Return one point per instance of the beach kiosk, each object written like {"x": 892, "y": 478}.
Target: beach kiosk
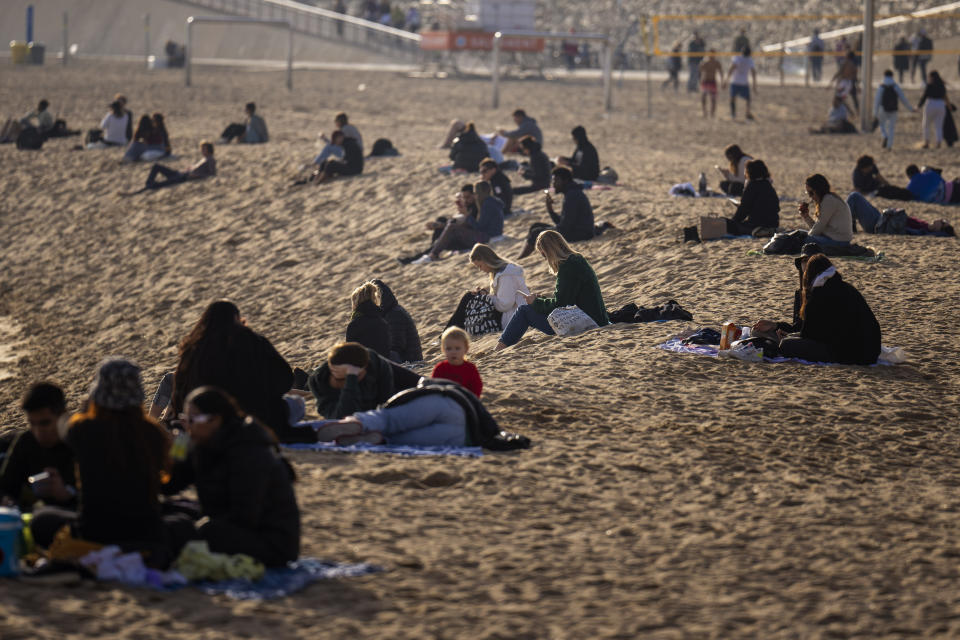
{"x": 474, "y": 30}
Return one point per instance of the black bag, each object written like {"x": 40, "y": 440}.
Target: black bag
{"x": 892, "y": 221}
{"x": 786, "y": 243}
{"x": 889, "y": 100}
{"x": 30, "y": 138}
{"x": 481, "y": 317}
{"x": 383, "y": 147}
{"x": 93, "y": 136}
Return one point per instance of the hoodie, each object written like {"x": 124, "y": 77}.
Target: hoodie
{"x": 585, "y": 161}
{"x": 468, "y": 151}
{"x": 404, "y": 337}
{"x": 368, "y": 327}
{"x": 381, "y": 380}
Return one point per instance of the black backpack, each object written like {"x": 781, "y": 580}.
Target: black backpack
{"x": 889, "y": 99}
{"x": 892, "y": 221}
{"x": 30, "y": 138}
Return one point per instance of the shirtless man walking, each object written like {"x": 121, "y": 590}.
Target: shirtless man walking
{"x": 709, "y": 72}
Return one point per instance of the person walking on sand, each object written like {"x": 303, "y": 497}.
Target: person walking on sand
{"x": 697, "y": 45}
{"x": 739, "y": 74}
{"x": 885, "y": 106}
{"x": 710, "y": 72}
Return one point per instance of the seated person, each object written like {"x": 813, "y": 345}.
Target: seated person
{"x": 585, "y": 163}
{"x": 205, "y": 168}
{"x": 404, "y": 337}
{"x": 341, "y": 123}
{"x": 778, "y": 330}
{"x": 351, "y": 165}
{"x": 575, "y": 222}
{"x": 456, "y": 128}
{"x": 39, "y": 450}
{"x": 455, "y": 344}
{"x": 867, "y": 181}
{"x": 500, "y": 183}
{"x": 330, "y": 150}
{"x": 437, "y": 413}
{"x": 468, "y": 150}
{"x": 462, "y": 235}
{"x": 526, "y": 126}
{"x": 42, "y": 119}
{"x": 355, "y": 378}
{"x": 115, "y": 126}
{"x": 838, "y": 118}
{"x": 835, "y": 325}
{"x": 928, "y": 185}
{"x": 244, "y": 485}
{"x": 734, "y": 179}
{"x": 466, "y": 203}
{"x": 367, "y": 325}
{"x": 120, "y": 456}
{"x": 868, "y": 216}
{"x": 759, "y": 205}
{"x": 252, "y": 131}
{"x": 151, "y": 135}
{"x": 538, "y": 171}
{"x": 834, "y": 223}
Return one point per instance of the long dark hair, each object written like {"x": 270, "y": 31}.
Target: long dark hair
{"x": 217, "y": 402}
{"x": 144, "y": 128}
{"x": 206, "y": 345}
{"x": 936, "y": 80}
{"x": 820, "y": 186}
{"x": 159, "y": 126}
{"x": 734, "y": 153}
{"x": 815, "y": 266}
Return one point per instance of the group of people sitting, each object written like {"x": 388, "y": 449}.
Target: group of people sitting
{"x": 30, "y": 131}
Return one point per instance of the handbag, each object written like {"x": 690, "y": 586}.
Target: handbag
{"x": 480, "y": 316}
{"x": 570, "y": 321}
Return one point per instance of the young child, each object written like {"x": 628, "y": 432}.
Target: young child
{"x": 455, "y": 344}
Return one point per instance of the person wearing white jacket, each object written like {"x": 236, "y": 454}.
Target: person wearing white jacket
{"x": 507, "y": 285}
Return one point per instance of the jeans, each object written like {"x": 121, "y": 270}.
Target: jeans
{"x": 863, "y": 212}
{"x": 888, "y": 122}
{"x": 431, "y": 420}
{"x": 824, "y": 241}
{"x": 457, "y": 237}
{"x": 329, "y": 151}
{"x": 525, "y": 317}
{"x": 172, "y": 177}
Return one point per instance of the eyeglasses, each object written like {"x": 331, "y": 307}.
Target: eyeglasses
{"x": 198, "y": 418}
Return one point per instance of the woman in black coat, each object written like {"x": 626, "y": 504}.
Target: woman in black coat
{"x": 244, "y": 486}
{"x": 837, "y": 324}
{"x": 221, "y": 351}
{"x": 759, "y": 205}
{"x": 367, "y": 325}
{"x": 404, "y": 338}
{"x": 468, "y": 150}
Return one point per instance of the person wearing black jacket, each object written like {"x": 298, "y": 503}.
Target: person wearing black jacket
{"x": 435, "y": 413}
{"x": 355, "y": 378}
{"x": 404, "y": 337}
{"x": 499, "y": 183}
{"x": 759, "y": 205}
{"x": 575, "y": 221}
{"x": 367, "y": 325}
{"x": 351, "y": 165}
{"x": 585, "y": 163}
{"x": 221, "y": 351}
{"x": 244, "y": 485}
{"x": 468, "y": 150}
{"x": 538, "y": 172}
{"x": 836, "y": 324}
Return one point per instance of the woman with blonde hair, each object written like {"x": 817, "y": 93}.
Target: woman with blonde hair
{"x": 576, "y": 284}
{"x": 489, "y": 309}
{"x": 367, "y": 325}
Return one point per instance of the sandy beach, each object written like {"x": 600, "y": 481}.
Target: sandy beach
{"x": 665, "y": 496}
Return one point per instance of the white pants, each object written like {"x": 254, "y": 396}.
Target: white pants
{"x": 933, "y": 115}
{"x": 888, "y": 122}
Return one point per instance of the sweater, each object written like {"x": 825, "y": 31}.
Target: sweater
{"x": 577, "y": 284}
{"x": 466, "y": 375}
{"x": 759, "y": 205}
{"x": 837, "y": 315}
{"x": 835, "y": 220}
{"x": 381, "y": 380}
{"x": 489, "y": 220}
{"x": 404, "y": 338}
{"x": 243, "y": 483}
{"x": 527, "y": 127}
{"x": 368, "y": 327}
{"x": 575, "y": 221}
{"x": 504, "y": 291}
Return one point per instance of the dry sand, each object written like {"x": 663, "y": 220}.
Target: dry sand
{"x": 665, "y": 496}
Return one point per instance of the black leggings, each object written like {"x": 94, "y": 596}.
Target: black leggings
{"x": 731, "y": 187}
{"x": 807, "y": 349}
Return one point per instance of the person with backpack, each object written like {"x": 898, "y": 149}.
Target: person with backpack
{"x": 885, "y": 106}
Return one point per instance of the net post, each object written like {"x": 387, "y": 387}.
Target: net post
{"x": 289, "y": 56}
{"x": 497, "y": 37}
{"x": 189, "y": 56}
{"x": 607, "y": 72}
{"x": 866, "y": 113}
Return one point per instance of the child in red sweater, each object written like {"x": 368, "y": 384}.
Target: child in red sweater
{"x": 455, "y": 344}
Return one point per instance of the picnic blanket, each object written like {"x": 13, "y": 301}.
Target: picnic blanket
{"x": 888, "y": 355}
{"x": 279, "y": 583}
{"x": 396, "y": 449}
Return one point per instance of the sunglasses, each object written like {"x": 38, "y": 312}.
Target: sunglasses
{"x": 197, "y": 418}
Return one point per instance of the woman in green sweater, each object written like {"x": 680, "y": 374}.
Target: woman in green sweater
{"x": 576, "y": 285}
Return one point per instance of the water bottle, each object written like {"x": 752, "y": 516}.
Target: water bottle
{"x": 703, "y": 183}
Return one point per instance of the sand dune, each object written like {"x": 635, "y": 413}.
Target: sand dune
{"x": 666, "y": 496}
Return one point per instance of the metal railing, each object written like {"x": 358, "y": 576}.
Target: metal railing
{"x": 322, "y": 23}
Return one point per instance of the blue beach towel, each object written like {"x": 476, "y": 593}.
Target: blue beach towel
{"x": 396, "y": 449}
{"x": 677, "y": 346}
{"x": 279, "y": 583}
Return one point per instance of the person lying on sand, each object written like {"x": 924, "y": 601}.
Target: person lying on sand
{"x": 576, "y": 284}
{"x": 204, "y": 168}
{"x": 868, "y": 181}
{"x": 927, "y": 185}
{"x": 355, "y": 378}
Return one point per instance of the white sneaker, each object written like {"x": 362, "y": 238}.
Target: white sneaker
{"x": 424, "y": 259}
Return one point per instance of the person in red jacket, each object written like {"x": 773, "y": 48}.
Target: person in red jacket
{"x": 455, "y": 344}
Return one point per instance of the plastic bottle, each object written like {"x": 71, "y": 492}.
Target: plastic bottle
{"x": 703, "y": 184}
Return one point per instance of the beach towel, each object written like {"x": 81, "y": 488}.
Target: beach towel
{"x": 279, "y": 583}
{"x": 686, "y": 189}
{"x": 888, "y": 355}
{"x": 395, "y": 449}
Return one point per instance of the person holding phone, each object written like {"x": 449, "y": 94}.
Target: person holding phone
{"x": 833, "y": 225}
